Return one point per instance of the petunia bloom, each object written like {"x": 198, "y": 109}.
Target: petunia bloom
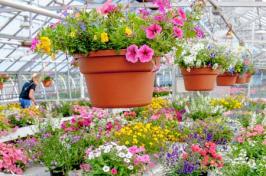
{"x": 178, "y": 22}
{"x": 182, "y": 14}
{"x": 145, "y": 54}
{"x": 34, "y": 44}
{"x": 114, "y": 171}
{"x": 178, "y": 32}
{"x": 199, "y": 32}
{"x": 153, "y": 30}
{"x": 163, "y": 5}
{"x": 159, "y": 18}
{"x": 107, "y": 7}
{"x": 144, "y": 13}
{"x": 132, "y": 54}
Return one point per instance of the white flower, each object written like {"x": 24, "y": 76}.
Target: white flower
{"x": 91, "y": 156}
{"x": 198, "y": 63}
{"x": 119, "y": 148}
{"x": 126, "y": 160}
{"x": 129, "y": 155}
{"x": 97, "y": 154}
{"x": 121, "y": 155}
{"x": 106, "y": 168}
{"x": 215, "y": 66}
{"x": 130, "y": 167}
{"x": 107, "y": 150}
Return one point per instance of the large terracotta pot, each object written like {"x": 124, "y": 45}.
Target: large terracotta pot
{"x": 47, "y": 83}
{"x": 199, "y": 79}
{"x": 1, "y": 86}
{"x": 226, "y": 79}
{"x": 113, "y": 82}
{"x": 242, "y": 79}
{"x": 248, "y": 78}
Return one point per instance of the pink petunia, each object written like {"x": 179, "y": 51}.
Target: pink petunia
{"x": 153, "y": 30}
{"x": 159, "y": 18}
{"x": 199, "y": 32}
{"x": 178, "y": 22}
{"x": 34, "y": 44}
{"x": 182, "y": 14}
{"x": 107, "y": 7}
{"x": 144, "y": 13}
{"x": 145, "y": 54}
{"x": 163, "y": 5}
{"x": 132, "y": 54}
{"x": 178, "y": 32}
{"x": 114, "y": 171}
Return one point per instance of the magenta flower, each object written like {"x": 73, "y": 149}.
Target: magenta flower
{"x": 144, "y": 12}
{"x": 153, "y": 30}
{"x": 178, "y": 22}
{"x": 34, "y": 44}
{"x": 114, "y": 171}
{"x": 145, "y": 54}
{"x": 178, "y": 32}
{"x": 199, "y": 32}
{"x": 163, "y": 5}
{"x": 159, "y": 18}
{"x": 182, "y": 14}
{"x": 132, "y": 54}
{"x": 107, "y": 7}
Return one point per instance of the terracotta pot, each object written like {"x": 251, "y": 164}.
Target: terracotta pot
{"x": 1, "y": 86}
{"x": 226, "y": 79}
{"x": 199, "y": 79}
{"x": 47, "y": 83}
{"x": 242, "y": 79}
{"x": 113, "y": 82}
{"x": 248, "y": 78}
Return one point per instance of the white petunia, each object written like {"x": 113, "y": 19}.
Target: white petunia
{"x": 106, "y": 168}
{"x": 91, "y": 156}
{"x": 97, "y": 154}
{"x": 126, "y": 160}
{"x": 130, "y": 167}
{"x": 107, "y": 150}
{"x": 129, "y": 155}
{"x": 121, "y": 155}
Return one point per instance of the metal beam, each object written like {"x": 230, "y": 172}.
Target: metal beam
{"x": 30, "y": 8}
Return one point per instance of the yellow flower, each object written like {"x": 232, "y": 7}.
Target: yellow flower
{"x": 104, "y": 37}
{"x": 45, "y": 45}
{"x": 95, "y": 37}
{"x": 128, "y": 31}
{"x": 72, "y": 34}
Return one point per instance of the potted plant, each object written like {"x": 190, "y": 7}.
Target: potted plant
{"x": 241, "y": 69}
{"x": 200, "y": 65}
{"x": 251, "y": 71}
{"x": 3, "y": 79}
{"x": 228, "y": 77}
{"x": 118, "y": 52}
{"x": 47, "y": 81}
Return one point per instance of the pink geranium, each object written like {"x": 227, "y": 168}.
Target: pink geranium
{"x": 178, "y": 21}
{"x": 182, "y": 14}
{"x": 153, "y": 30}
{"x": 107, "y": 7}
{"x": 145, "y": 54}
{"x": 178, "y": 32}
{"x": 132, "y": 54}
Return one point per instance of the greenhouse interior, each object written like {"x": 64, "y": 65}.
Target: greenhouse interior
{"x": 133, "y": 87}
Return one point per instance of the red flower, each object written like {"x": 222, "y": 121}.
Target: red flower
{"x": 195, "y": 148}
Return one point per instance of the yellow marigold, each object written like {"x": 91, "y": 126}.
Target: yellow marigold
{"x": 45, "y": 45}
{"x": 128, "y": 31}
{"x": 104, "y": 37}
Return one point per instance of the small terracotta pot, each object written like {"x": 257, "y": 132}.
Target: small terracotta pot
{"x": 248, "y": 78}
{"x": 113, "y": 82}
{"x": 1, "y": 86}
{"x": 226, "y": 79}
{"x": 242, "y": 79}
{"x": 199, "y": 79}
{"x": 47, "y": 83}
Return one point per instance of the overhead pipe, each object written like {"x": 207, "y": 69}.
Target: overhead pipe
{"x": 30, "y": 8}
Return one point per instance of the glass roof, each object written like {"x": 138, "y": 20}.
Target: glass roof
{"x": 248, "y": 20}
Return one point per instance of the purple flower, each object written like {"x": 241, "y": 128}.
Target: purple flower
{"x": 199, "y": 32}
{"x": 188, "y": 168}
{"x": 83, "y": 27}
{"x": 212, "y": 55}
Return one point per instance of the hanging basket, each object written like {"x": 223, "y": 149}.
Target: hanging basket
{"x": 47, "y": 83}
{"x": 242, "y": 79}
{"x": 113, "y": 82}
{"x": 226, "y": 79}
{"x": 248, "y": 78}
{"x": 199, "y": 79}
{"x": 1, "y": 86}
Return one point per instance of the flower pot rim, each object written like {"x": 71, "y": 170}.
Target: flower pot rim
{"x": 101, "y": 53}
{"x": 201, "y": 71}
